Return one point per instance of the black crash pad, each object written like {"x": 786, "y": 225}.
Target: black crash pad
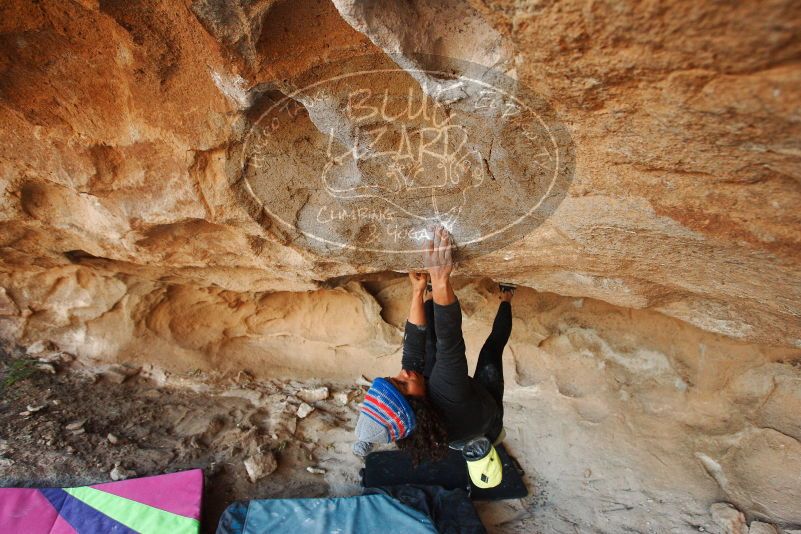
{"x": 392, "y": 468}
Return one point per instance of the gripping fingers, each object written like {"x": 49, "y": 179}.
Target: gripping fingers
{"x": 438, "y": 252}
{"x": 428, "y": 252}
{"x": 438, "y": 246}
{"x": 445, "y": 247}
{"x": 442, "y": 246}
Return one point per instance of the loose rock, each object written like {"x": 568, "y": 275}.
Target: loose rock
{"x": 758, "y": 527}
{"x": 112, "y": 439}
{"x": 119, "y": 373}
{"x": 731, "y": 520}
{"x": 37, "y": 347}
{"x": 46, "y": 367}
{"x": 304, "y": 410}
{"x": 120, "y": 473}
{"x": 260, "y": 466}
{"x": 314, "y": 394}
{"x": 316, "y": 470}
{"x": 75, "y": 426}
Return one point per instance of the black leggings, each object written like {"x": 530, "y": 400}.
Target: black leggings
{"x": 489, "y": 368}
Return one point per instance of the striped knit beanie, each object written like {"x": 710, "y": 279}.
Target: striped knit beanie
{"x": 385, "y": 415}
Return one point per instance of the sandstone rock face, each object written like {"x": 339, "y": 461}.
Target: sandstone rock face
{"x": 658, "y": 325}
{"x": 758, "y": 527}
{"x": 684, "y": 197}
{"x": 731, "y": 520}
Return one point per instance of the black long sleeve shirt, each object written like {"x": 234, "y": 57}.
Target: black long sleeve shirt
{"x": 466, "y": 407}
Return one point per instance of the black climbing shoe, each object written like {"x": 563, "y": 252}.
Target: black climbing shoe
{"x": 507, "y": 288}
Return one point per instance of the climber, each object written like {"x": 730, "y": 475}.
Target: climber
{"x": 433, "y": 403}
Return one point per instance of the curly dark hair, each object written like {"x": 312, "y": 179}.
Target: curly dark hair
{"x": 429, "y": 439}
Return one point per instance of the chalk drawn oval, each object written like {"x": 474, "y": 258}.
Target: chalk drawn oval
{"x": 356, "y": 160}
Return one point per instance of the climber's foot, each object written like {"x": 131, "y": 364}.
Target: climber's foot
{"x": 507, "y": 291}
{"x": 429, "y": 292}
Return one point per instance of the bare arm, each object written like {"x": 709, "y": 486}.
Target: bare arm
{"x": 417, "y": 314}
{"x": 414, "y": 335}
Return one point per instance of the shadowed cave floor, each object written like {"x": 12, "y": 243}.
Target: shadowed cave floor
{"x": 214, "y": 424}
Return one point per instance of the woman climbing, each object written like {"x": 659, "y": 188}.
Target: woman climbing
{"x": 433, "y": 402}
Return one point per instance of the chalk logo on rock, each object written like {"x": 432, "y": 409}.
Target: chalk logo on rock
{"x": 357, "y": 160}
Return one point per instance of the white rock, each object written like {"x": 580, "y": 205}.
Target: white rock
{"x": 36, "y": 348}
{"x": 120, "y": 473}
{"x": 731, "y": 520}
{"x": 34, "y": 409}
{"x": 313, "y": 394}
{"x": 46, "y": 367}
{"x": 315, "y": 470}
{"x": 758, "y": 527}
{"x": 55, "y": 356}
{"x": 75, "y": 426}
{"x": 304, "y": 410}
{"x": 112, "y": 439}
{"x": 341, "y": 397}
{"x": 119, "y": 373}
{"x": 260, "y": 466}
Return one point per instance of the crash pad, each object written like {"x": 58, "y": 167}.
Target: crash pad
{"x": 167, "y": 503}
{"x": 361, "y": 514}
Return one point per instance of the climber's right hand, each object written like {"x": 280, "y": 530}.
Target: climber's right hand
{"x": 438, "y": 255}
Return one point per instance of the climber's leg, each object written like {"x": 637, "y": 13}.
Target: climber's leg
{"x": 489, "y": 369}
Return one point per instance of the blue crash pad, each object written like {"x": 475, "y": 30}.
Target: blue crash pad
{"x": 342, "y": 515}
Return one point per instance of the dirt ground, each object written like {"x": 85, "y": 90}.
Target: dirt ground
{"x": 65, "y": 426}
